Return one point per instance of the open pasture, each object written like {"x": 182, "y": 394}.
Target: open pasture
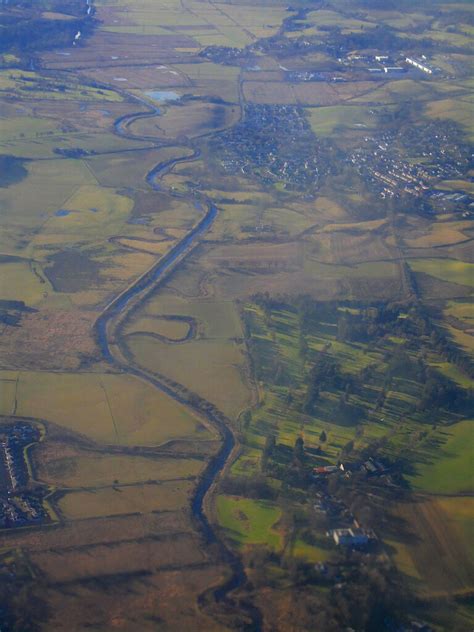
{"x": 212, "y": 80}
{"x": 248, "y": 522}
{"x": 350, "y": 247}
{"x": 461, "y": 310}
{"x": 94, "y": 531}
{"x": 403, "y": 21}
{"x": 106, "y": 48}
{"x": 25, "y": 84}
{"x": 62, "y": 466}
{"x": 257, "y": 257}
{"x": 49, "y": 338}
{"x": 436, "y": 545}
{"x": 206, "y": 23}
{"x": 89, "y": 212}
{"x": 328, "y": 18}
{"x": 144, "y": 77}
{"x": 129, "y": 169}
{"x": 326, "y": 120}
{"x": 216, "y": 319}
{"x": 110, "y": 501}
{"x": 458, "y": 110}
{"x": 283, "y": 93}
{"x": 464, "y": 339}
{"x": 219, "y": 379}
{"x": 438, "y": 234}
{"x": 446, "y": 269}
{"x": 321, "y": 94}
{"x": 309, "y": 552}
{"x": 447, "y": 469}
{"x": 457, "y": 185}
{"x": 189, "y": 118}
{"x": 48, "y": 185}
{"x": 393, "y": 92}
{"x": 106, "y": 560}
{"x": 170, "y": 329}
{"x": 21, "y": 282}
{"x": 119, "y": 409}
{"x": 138, "y": 601}
{"x": 152, "y": 247}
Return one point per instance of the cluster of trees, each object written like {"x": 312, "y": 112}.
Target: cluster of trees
{"x": 12, "y": 170}
{"x": 27, "y": 30}
{"x": 441, "y": 393}
{"x": 255, "y": 487}
{"x": 325, "y": 374}
{"x": 371, "y": 323}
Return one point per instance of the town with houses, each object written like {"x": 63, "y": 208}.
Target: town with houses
{"x": 20, "y": 502}
{"x": 275, "y": 143}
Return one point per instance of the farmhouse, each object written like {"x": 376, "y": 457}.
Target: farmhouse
{"x": 324, "y": 470}
{"x": 353, "y": 537}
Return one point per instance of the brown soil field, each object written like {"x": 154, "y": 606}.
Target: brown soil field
{"x": 145, "y": 555}
{"x": 50, "y": 339}
{"x": 94, "y": 531}
{"x": 153, "y": 247}
{"x": 439, "y": 543}
{"x": 347, "y": 247}
{"x": 145, "y": 498}
{"x": 439, "y": 234}
{"x": 287, "y": 93}
{"x": 62, "y": 465}
{"x": 73, "y": 116}
{"x": 255, "y": 255}
{"x": 431, "y": 287}
{"x": 105, "y": 48}
{"x": 129, "y": 603}
{"x": 139, "y": 78}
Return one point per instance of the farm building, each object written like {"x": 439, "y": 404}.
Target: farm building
{"x": 354, "y": 537}
{"x": 420, "y": 64}
{"x": 324, "y": 470}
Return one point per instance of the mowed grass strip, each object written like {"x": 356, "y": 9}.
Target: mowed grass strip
{"x": 248, "y": 521}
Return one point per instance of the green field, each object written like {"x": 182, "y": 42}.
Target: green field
{"x": 249, "y": 521}
{"x": 119, "y": 409}
{"x": 446, "y": 269}
{"x": 325, "y": 120}
{"x": 449, "y": 469}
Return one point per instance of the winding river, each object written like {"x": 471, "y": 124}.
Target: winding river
{"x": 119, "y": 307}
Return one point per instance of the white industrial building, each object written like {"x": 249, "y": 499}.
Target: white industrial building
{"x": 419, "y": 64}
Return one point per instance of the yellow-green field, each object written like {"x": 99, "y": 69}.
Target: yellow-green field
{"x": 446, "y": 269}
{"x": 449, "y": 469}
{"x": 249, "y": 521}
{"x": 125, "y": 500}
{"x": 119, "y": 409}
{"x": 98, "y": 470}
{"x": 218, "y": 379}
{"x": 437, "y": 556}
